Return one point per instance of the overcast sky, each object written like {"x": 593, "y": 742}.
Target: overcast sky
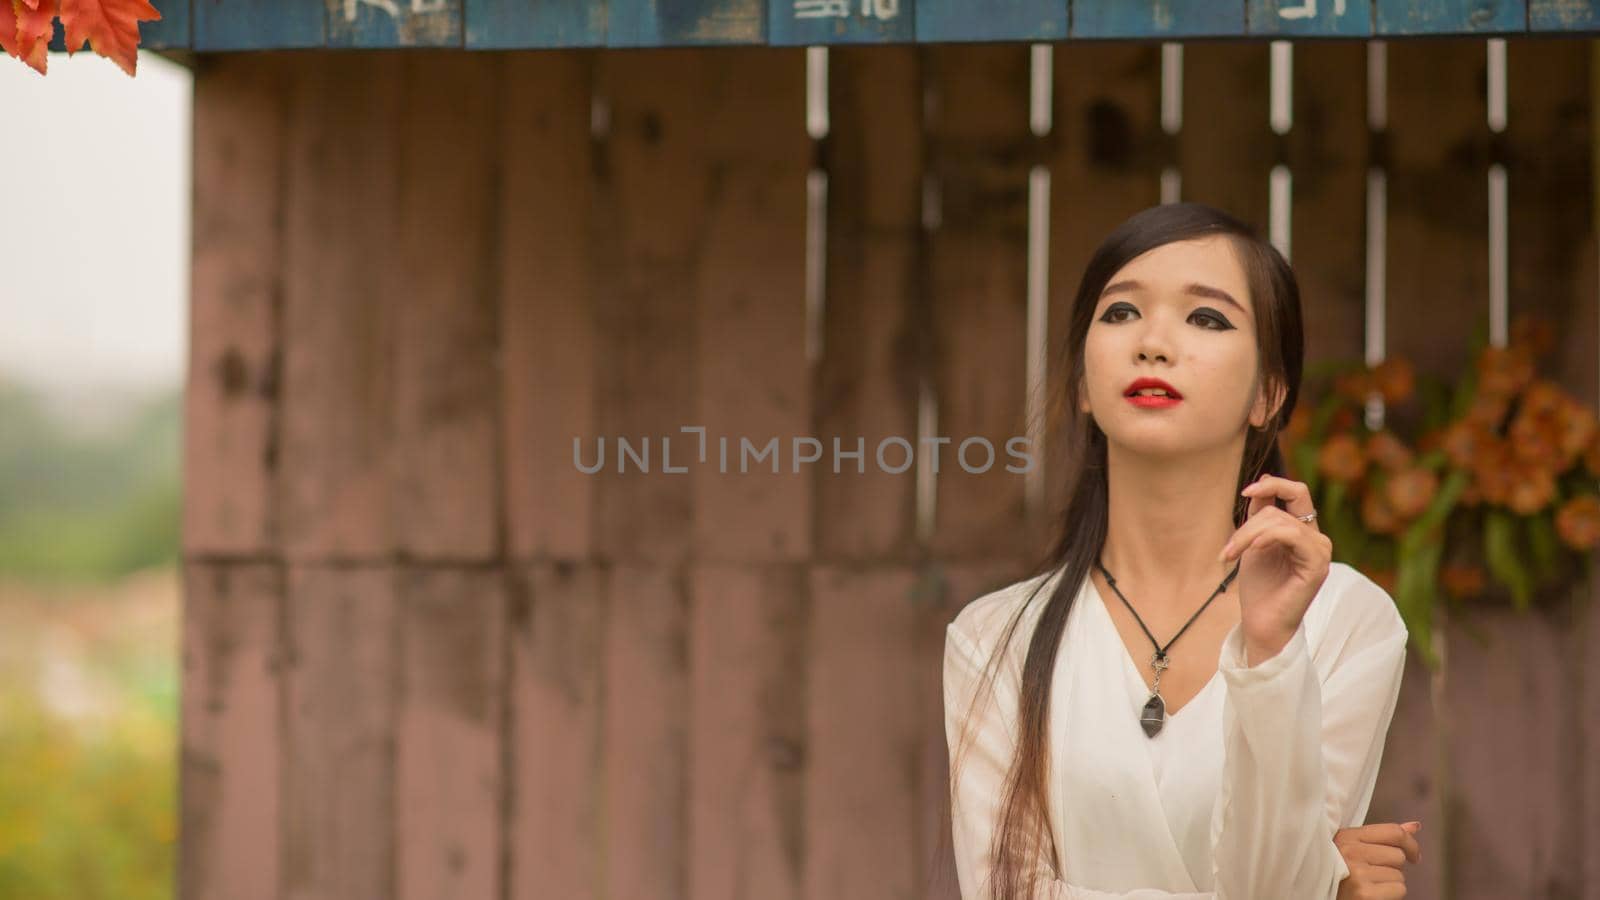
{"x": 94, "y": 226}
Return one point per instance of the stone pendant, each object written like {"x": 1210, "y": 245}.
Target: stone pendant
{"x": 1153, "y": 716}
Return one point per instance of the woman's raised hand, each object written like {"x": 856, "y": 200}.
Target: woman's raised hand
{"x": 1376, "y": 855}
{"x": 1283, "y": 562}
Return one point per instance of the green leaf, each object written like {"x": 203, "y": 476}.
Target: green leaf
{"x": 1501, "y": 555}
{"x": 1415, "y": 595}
{"x": 1541, "y": 533}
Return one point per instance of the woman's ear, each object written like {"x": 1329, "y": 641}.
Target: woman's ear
{"x": 1266, "y": 409}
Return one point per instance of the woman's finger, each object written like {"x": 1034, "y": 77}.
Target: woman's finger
{"x": 1375, "y": 854}
{"x": 1291, "y": 535}
{"x": 1296, "y": 495}
{"x": 1285, "y": 529}
{"x": 1395, "y": 836}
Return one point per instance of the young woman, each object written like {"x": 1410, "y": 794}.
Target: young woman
{"x": 1189, "y": 698}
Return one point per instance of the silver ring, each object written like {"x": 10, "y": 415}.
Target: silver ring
{"x": 1308, "y": 516}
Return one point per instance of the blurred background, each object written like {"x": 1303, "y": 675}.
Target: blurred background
{"x": 92, "y": 355}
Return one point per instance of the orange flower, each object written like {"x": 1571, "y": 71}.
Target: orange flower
{"x": 1470, "y": 495}
{"x": 1542, "y": 396}
{"x": 1538, "y": 335}
{"x": 1491, "y": 470}
{"x": 1534, "y": 439}
{"x": 1578, "y": 522}
{"x": 1409, "y": 491}
{"x": 1463, "y": 440}
{"x": 1377, "y": 515}
{"x": 1340, "y": 458}
{"x": 1384, "y": 578}
{"x": 1462, "y": 579}
{"x": 1386, "y": 450}
{"x": 1504, "y": 370}
{"x": 1532, "y": 488}
{"x": 1394, "y": 378}
{"x": 1355, "y": 385}
{"x": 1488, "y": 409}
{"x": 1576, "y": 427}
{"x": 1591, "y": 456}
{"x": 1299, "y": 424}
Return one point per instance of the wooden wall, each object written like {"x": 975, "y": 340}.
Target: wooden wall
{"x": 424, "y": 656}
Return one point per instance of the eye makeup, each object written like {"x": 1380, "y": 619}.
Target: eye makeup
{"x": 1205, "y": 312}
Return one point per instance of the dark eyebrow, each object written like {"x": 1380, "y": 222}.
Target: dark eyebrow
{"x": 1194, "y": 288}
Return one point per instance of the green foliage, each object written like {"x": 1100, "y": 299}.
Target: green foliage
{"x": 77, "y": 507}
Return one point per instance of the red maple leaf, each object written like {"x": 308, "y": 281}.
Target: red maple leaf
{"x": 25, "y": 33}
{"x": 110, "y": 26}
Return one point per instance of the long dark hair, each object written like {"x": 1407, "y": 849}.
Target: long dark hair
{"x": 1022, "y": 829}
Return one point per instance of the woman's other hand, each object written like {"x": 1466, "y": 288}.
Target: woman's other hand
{"x": 1376, "y": 855}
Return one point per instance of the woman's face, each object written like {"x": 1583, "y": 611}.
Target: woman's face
{"x": 1181, "y": 313}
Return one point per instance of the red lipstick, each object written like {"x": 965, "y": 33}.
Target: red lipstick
{"x": 1152, "y": 401}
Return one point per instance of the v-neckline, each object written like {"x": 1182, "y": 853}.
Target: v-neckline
{"x": 1132, "y": 668}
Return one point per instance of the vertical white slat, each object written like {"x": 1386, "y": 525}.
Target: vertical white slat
{"x": 1171, "y": 114}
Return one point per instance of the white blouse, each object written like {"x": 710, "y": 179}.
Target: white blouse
{"x": 1236, "y": 798}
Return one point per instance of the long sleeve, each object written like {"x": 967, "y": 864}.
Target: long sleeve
{"x": 1297, "y": 744}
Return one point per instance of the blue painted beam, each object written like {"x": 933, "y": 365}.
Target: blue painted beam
{"x": 514, "y": 24}
{"x": 1157, "y": 19}
{"x": 1401, "y": 17}
{"x": 791, "y": 22}
{"x": 991, "y": 20}
{"x": 686, "y": 23}
{"x": 259, "y": 24}
{"x": 238, "y": 25}
{"x": 394, "y": 23}
{"x": 1564, "y": 15}
{"x": 1310, "y": 18}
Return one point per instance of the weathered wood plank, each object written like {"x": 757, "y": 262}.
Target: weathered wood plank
{"x": 547, "y": 253}
{"x": 865, "y": 727}
{"x": 1436, "y": 294}
{"x": 747, "y": 737}
{"x": 1522, "y": 824}
{"x": 750, "y": 316}
{"x": 517, "y": 24}
{"x": 445, "y": 483}
{"x": 1309, "y": 18}
{"x": 339, "y": 799}
{"x": 1451, "y": 16}
{"x": 1105, "y": 166}
{"x": 448, "y": 776}
{"x": 646, "y": 743}
{"x": 1551, "y": 230}
{"x": 685, "y": 23}
{"x": 558, "y": 621}
{"x": 1018, "y": 20}
{"x": 1326, "y": 151}
{"x": 1225, "y": 150}
{"x": 240, "y": 108}
{"x": 867, "y": 372}
{"x": 334, "y": 489}
{"x": 1513, "y": 827}
{"x": 977, "y": 285}
{"x": 1438, "y": 235}
{"x": 652, "y": 187}
{"x": 840, "y": 21}
{"x": 1155, "y": 19}
{"x": 1413, "y": 780}
{"x": 1563, "y": 15}
{"x": 394, "y": 23}
{"x": 259, "y": 24}
{"x": 942, "y": 591}
{"x": 232, "y": 710}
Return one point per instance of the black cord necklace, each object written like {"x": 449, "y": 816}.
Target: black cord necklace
{"x": 1154, "y": 712}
